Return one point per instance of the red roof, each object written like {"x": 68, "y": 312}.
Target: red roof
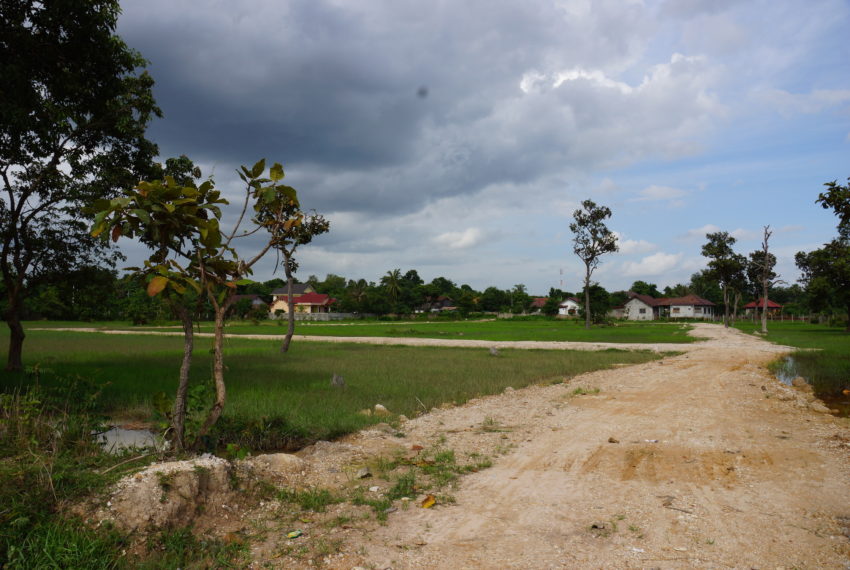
{"x": 538, "y": 302}
{"x": 760, "y": 304}
{"x": 310, "y": 299}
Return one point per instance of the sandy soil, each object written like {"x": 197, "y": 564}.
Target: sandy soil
{"x": 702, "y": 460}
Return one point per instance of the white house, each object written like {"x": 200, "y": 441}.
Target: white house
{"x": 569, "y": 307}
{"x": 640, "y": 308}
{"x": 646, "y": 308}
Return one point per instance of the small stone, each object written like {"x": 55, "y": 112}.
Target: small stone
{"x": 494, "y": 351}
{"x": 365, "y": 412}
{"x": 403, "y": 418}
{"x": 819, "y": 407}
{"x": 338, "y": 381}
{"x": 363, "y": 472}
{"x": 381, "y": 411}
{"x": 508, "y": 390}
{"x": 374, "y": 489}
{"x": 613, "y": 440}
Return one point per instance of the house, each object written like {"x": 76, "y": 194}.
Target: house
{"x": 646, "y": 308}
{"x": 537, "y": 304}
{"x": 569, "y": 307}
{"x": 757, "y": 306}
{"x": 617, "y": 312}
{"x": 640, "y": 308}
{"x": 441, "y": 303}
{"x": 304, "y": 297}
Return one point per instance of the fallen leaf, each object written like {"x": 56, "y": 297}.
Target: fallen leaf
{"x": 428, "y": 502}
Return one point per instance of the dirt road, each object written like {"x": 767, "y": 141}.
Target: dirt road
{"x": 699, "y": 461}
{"x": 702, "y": 460}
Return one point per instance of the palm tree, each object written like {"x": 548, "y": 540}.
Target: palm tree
{"x": 391, "y": 282}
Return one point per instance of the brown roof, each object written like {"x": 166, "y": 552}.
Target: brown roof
{"x": 686, "y": 300}
{"x": 760, "y": 304}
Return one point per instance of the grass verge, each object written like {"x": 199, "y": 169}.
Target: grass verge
{"x": 284, "y": 401}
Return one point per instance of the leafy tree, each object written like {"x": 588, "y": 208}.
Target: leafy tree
{"x": 644, "y": 288}
{"x": 679, "y": 290}
{"x": 600, "y": 304}
{"x": 73, "y": 113}
{"x": 727, "y": 268}
{"x": 494, "y": 299}
{"x": 286, "y": 240}
{"x": 392, "y": 285}
{"x": 837, "y": 197}
{"x": 826, "y": 275}
{"x": 703, "y": 285}
{"x": 181, "y": 223}
{"x": 550, "y": 307}
{"x": 592, "y": 240}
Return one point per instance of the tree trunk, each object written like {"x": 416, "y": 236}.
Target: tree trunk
{"x": 587, "y": 297}
{"x": 764, "y": 307}
{"x": 726, "y": 306}
{"x": 290, "y": 313}
{"x": 14, "y": 361}
{"x": 218, "y": 371}
{"x": 178, "y": 420}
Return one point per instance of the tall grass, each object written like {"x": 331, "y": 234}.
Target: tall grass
{"x": 282, "y": 401}
{"x": 827, "y": 369}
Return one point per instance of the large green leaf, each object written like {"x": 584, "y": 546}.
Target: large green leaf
{"x": 258, "y": 168}
{"x": 276, "y": 172}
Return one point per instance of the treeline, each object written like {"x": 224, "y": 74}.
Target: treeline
{"x": 100, "y": 294}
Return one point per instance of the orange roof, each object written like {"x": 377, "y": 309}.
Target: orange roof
{"x": 760, "y": 304}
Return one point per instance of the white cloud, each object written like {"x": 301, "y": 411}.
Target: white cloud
{"x": 655, "y": 192}
{"x": 791, "y": 229}
{"x": 460, "y": 240}
{"x": 630, "y": 246}
{"x": 655, "y": 264}
{"x": 788, "y": 104}
{"x": 699, "y": 233}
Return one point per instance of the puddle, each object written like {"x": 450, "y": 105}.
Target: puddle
{"x": 119, "y": 439}
{"x": 787, "y": 371}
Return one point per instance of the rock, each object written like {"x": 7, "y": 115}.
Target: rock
{"x": 494, "y": 351}
{"x": 403, "y": 418}
{"x": 819, "y": 407}
{"x": 374, "y": 489}
{"x": 363, "y": 472}
{"x": 365, "y": 412}
{"x": 278, "y": 463}
{"x": 381, "y": 411}
{"x": 800, "y": 383}
{"x": 168, "y": 495}
{"x": 338, "y": 381}
{"x": 786, "y": 397}
{"x": 613, "y": 440}
{"x": 508, "y": 390}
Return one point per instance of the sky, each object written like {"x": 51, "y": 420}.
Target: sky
{"x": 457, "y": 138}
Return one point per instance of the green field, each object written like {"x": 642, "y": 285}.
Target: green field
{"x": 279, "y": 401}
{"x": 827, "y": 369}
{"x": 542, "y": 329}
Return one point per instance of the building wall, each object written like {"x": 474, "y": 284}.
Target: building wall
{"x": 637, "y": 310}
{"x": 567, "y": 307}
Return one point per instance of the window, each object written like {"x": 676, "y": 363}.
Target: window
{"x": 675, "y": 309}
{"x": 642, "y": 311}
{"x": 697, "y": 309}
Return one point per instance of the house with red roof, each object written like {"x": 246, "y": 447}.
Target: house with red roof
{"x": 757, "y": 307}
{"x": 304, "y": 300}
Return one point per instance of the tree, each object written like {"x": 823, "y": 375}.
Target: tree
{"x": 592, "y": 240}
{"x": 392, "y": 285}
{"x": 760, "y": 273}
{"x": 600, "y": 303}
{"x": 837, "y": 197}
{"x": 73, "y": 113}
{"x": 286, "y": 242}
{"x": 644, "y": 288}
{"x": 181, "y": 223}
{"x": 826, "y": 275}
{"x": 727, "y": 268}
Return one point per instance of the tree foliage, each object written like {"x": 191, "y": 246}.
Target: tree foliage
{"x": 727, "y": 268}
{"x": 73, "y": 114}
{"x": 592, "y": 239}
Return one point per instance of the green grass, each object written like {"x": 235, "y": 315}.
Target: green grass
{"x": 281, "y": 401}
{"x": 826, "y": 369}
{"x": 542, "y": 329}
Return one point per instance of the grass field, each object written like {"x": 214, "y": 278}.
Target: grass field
{"x": 541, "y": 329}
{"x": 826, "y": 369}
{"x": 278, "y": 401}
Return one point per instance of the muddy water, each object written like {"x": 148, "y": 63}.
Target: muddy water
{"x": 788, "y": 371}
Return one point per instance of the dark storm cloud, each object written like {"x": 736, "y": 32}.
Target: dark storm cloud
{"x": 335, "y": 91}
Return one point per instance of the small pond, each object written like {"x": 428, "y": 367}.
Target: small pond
{"x": 787, "y": 371}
